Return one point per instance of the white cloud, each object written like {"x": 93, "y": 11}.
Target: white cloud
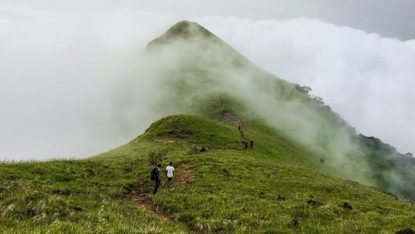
{"x": 368, "y": 79}
{"x": 58, "y": 67}
{"x": 411, "y": 44}
{"x": 57, "y": 70}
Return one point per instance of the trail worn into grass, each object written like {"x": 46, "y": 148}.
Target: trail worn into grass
{"x": 142, "y": 194}
{"x": 183, "y": 175}
{"x": 143, "y": 201}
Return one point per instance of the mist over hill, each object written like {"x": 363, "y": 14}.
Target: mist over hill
{"x": 58, "y": 70}
{"x": 253, "y": 154}
{"x": 189, "y": 66}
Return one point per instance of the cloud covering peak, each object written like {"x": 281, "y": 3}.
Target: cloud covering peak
{"x": 363, "y": 76}
{"x": 58, "y": 69}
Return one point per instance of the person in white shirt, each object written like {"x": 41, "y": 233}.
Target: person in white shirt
{"x": 170, "y": 172}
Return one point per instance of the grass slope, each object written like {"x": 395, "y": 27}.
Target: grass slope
{"x": 277, "y": 187}
{"x": 193, "y": 65}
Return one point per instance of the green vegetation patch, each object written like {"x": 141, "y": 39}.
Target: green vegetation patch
{"x": 276, "y": 187}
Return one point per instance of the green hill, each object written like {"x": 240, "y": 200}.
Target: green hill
{"x": 274, "y": 187}
{"x": 308, "y": 171}
{"x": 192, "y": 66}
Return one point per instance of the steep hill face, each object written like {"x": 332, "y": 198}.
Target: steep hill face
{"x": 196, "y": 67}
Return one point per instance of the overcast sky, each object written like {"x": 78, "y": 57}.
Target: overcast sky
{"x": 386, "y": 17}
{"x": 60, "y": 59}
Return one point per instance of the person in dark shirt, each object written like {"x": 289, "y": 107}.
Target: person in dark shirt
{"x": 155, "y": 176}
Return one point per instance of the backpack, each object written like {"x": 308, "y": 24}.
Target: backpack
{"x": 153, "y": 174}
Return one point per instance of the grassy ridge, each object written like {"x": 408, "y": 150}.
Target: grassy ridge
{"x": 194, "y": 69}
{"x": 276, "y": 187}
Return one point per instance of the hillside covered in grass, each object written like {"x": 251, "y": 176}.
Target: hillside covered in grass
{"x": 192, "y": 66}
{"x": 274, "y": 187}
{"x": 308, "y": 170}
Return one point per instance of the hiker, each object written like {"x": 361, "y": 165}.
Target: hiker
{"x": 251, "y": 144}
{"x": 155, "y": 176}
{"x": 170, "y": 172}
{"x": 203, "y": 149}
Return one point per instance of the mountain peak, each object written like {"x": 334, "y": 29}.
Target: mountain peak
{"x": 187, "y": 28}
{"x": 198, "y": 39}
{"x": 183, "y": 30}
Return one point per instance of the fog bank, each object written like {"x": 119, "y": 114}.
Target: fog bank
{"x": 63, "y": 75}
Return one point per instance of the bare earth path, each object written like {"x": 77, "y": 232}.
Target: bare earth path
{"x": 142, "y": 194}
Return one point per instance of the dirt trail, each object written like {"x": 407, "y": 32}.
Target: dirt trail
{"x": 183, "y": 176}
{"x": 141, "y": 195}
{"x": 233, "y": 119}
